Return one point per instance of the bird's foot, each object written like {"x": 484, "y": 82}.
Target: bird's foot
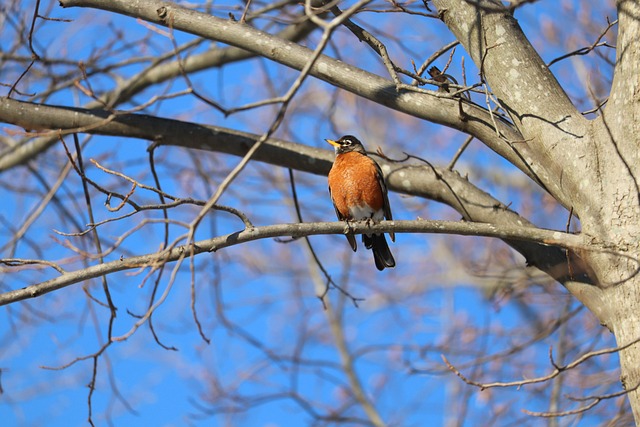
{"x": 347, "y": 227}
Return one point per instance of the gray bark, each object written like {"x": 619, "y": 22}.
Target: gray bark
{"x": 593, "y": 165}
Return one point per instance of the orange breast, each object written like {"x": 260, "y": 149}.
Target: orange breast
{"x": 353, "y": 182}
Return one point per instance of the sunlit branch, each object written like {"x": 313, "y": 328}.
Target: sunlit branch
{"x": 469, "y": 117}
{"x": 532, "y": 234}
{"x": 418, "y": 180}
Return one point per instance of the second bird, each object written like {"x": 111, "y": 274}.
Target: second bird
{"x": 358, "y": 192}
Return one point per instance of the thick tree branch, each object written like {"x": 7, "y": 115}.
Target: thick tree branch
{"x": 527, "y": 90}
{"x": 419, "y": 180}
{"x": 160, "y": 131}
{"x": 423, "y": 180}
{"x": 154, "y": 260}
{"x": 155, "y": 74}
{"x": 456, "y": 113}
{"x": 622, "y": 113}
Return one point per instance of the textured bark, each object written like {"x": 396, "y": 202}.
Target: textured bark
{"x": 593, "y": 165}
{"x": 524, "y": 86}
{"x": 616, "y": 218}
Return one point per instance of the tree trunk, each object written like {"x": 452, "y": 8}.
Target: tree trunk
{"x": 617, "y": 219}
{"x": 591, "y": 167}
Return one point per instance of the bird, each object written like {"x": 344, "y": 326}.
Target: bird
{"x": 359, "y": 193}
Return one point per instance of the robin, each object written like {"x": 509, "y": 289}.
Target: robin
{"x": 358, "y": 192}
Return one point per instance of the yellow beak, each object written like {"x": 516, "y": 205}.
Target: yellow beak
{"x": 332, "y": 142}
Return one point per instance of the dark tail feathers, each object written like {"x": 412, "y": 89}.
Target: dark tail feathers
{"x": 381, "y": 253}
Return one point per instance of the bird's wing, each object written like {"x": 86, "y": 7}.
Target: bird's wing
{"x": 350, "y": 237}
{"x": 385, "y": 205}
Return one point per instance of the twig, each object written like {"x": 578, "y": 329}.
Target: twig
{"x": 95, "y": 236}
{"x": 557, "y": 370}
{"x": 243, "y": 18}
{"x": 34, "y": 55}
{"x": 15, "y": 262}
{"x": 596, "y": 400}
{"x": 587, "y": 49}
{"x": 463, "y": 147}
{"x": 379, "y": 47}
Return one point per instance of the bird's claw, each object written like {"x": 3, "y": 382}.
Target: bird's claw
{"x": 347, "y": 228}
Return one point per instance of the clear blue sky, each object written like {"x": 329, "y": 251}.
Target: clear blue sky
{"x": 261, "y": 296}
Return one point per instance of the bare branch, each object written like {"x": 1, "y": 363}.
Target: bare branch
{"x": 557, "y": 371}
{"x": 588, "y": 49}
{"x": 475, "y": 119}
{"x": 424, "y": 181}
{"x": 546, "y": 237}
{"x": 594, "y": 401}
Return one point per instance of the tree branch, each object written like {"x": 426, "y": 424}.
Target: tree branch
{"x": 154, "y": 260}
{"x": 419, "y": 180}
{"x": 161, "y": 131}
{"x": 155, "y": 74}
{"x": 557, "y": 369}
{"x": 462, "y": 115}
{"x": 527, "y": 90}
{"x": 623, "y": 99}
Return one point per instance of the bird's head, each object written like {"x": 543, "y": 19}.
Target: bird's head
{"x": 347, "y": 144}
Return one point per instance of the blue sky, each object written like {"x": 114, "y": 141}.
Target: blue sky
{"x": 257, "y": 301}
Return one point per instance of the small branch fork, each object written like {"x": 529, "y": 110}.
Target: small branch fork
{"x": 594, "y": 401}
{"x": 586, "y": 50}
{"x": 393, "y": 70}
{"x": 558, "y": 369}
